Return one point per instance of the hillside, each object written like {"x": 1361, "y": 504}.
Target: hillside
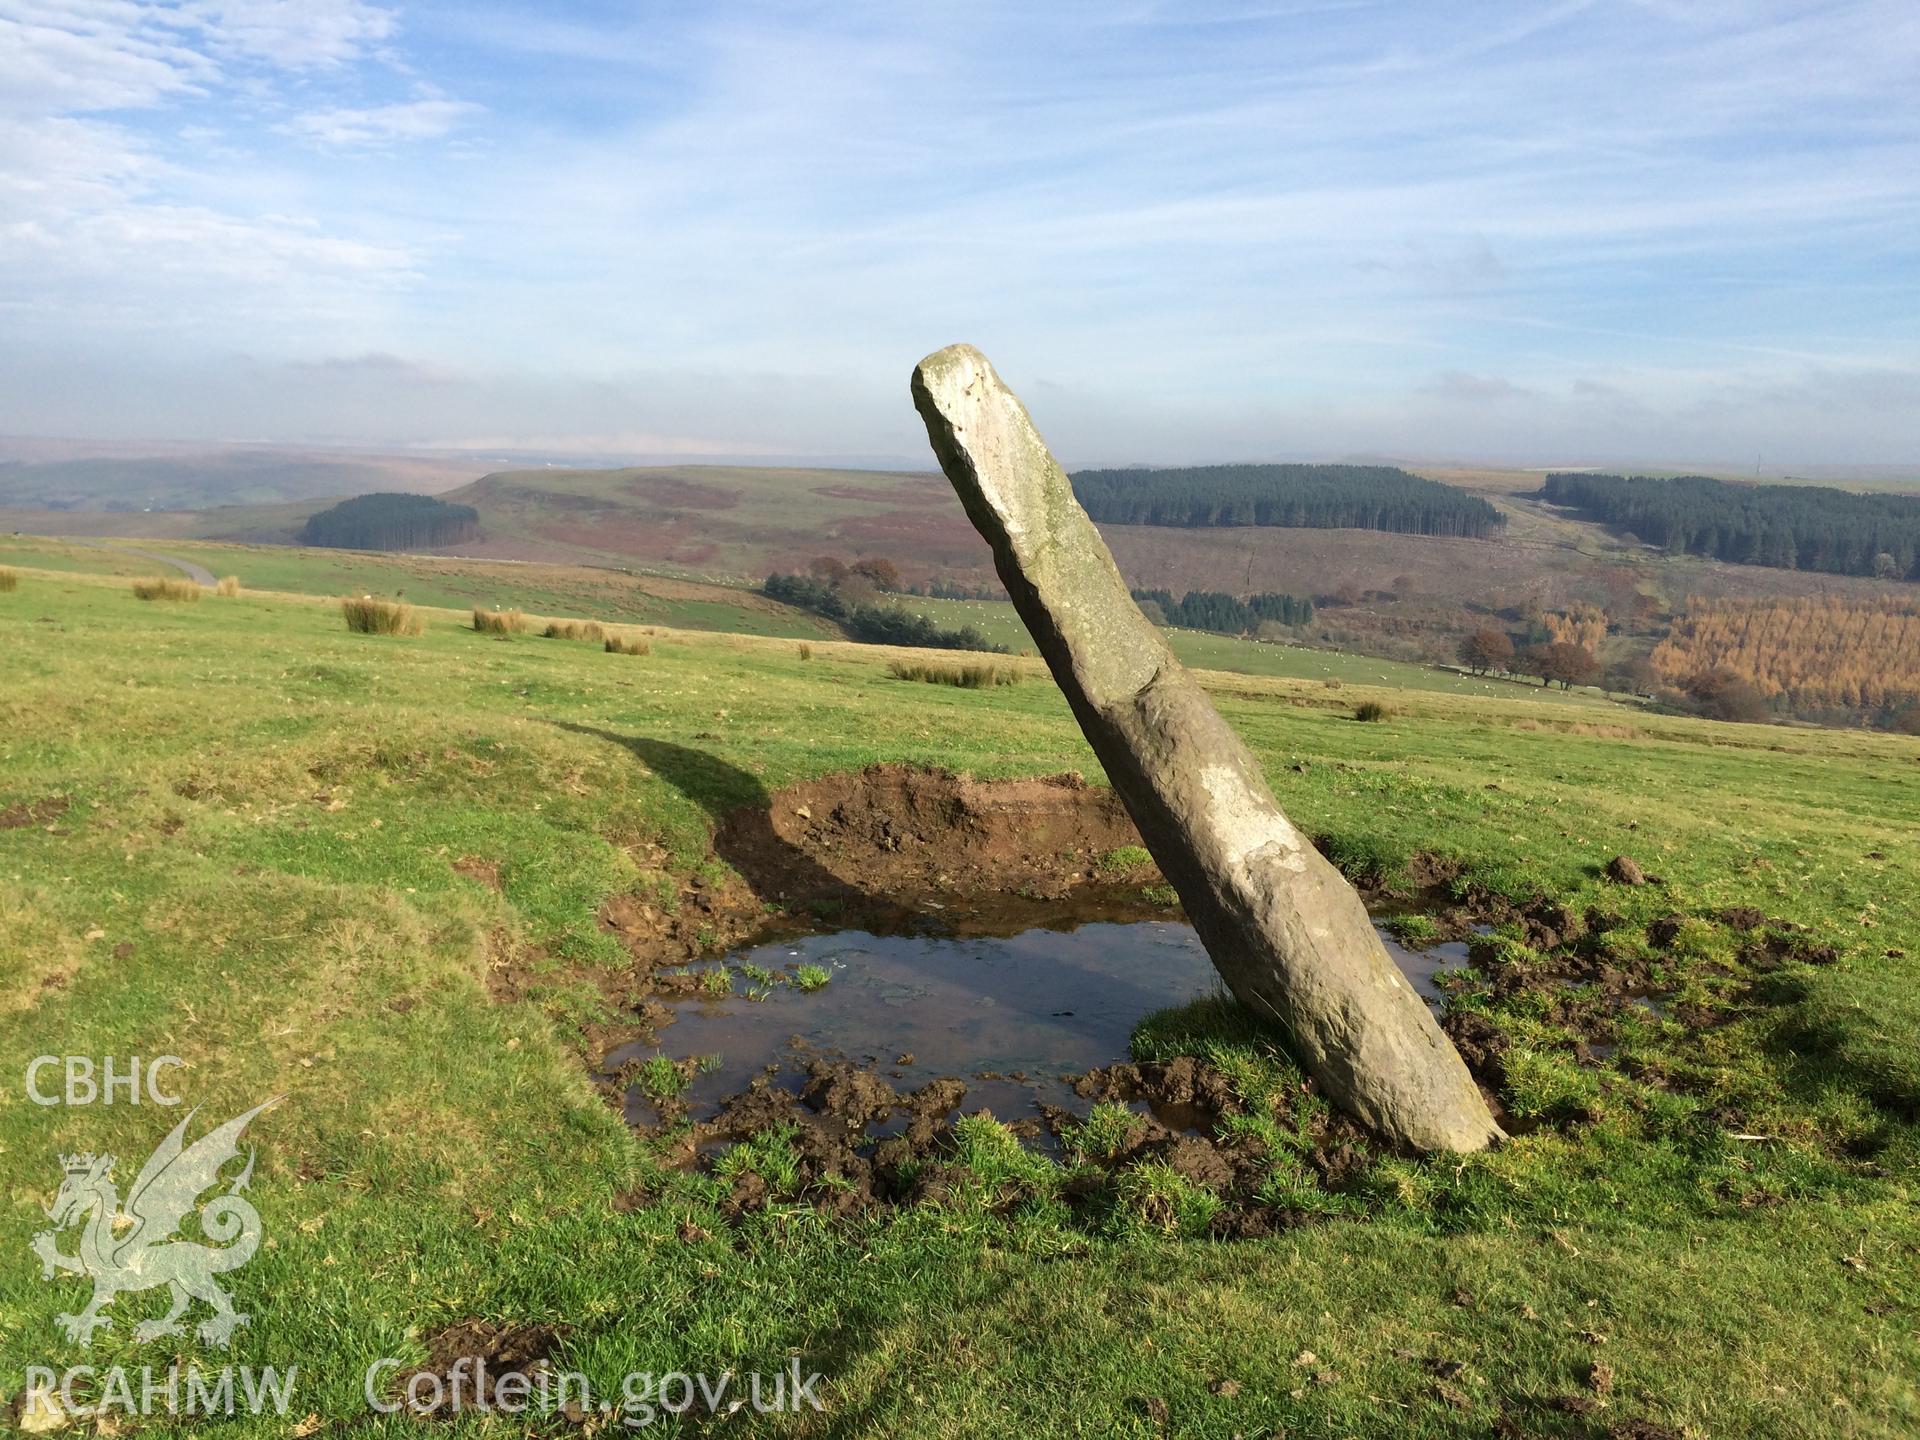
{"x": 419, "y": 886}
{"x": 1402, "y": 597}
{"x": 44, "y": 476}
{"x": 725, "y": 522}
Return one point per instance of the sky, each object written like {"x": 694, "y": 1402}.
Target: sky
{"x": 1594, "y": 231}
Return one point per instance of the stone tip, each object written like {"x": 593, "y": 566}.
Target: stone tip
{"x": 949, "y": 358}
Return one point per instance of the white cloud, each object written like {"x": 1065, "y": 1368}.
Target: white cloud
{"x": 110, "y": 223}
{"x": 292, "y": 34}
{"x": 385, "y": 124}
{"x": 61, "y": 56}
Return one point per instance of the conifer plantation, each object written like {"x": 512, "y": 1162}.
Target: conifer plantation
{"x": 1789, "y": 527}
{"x": 391, "y": 522}
{"x": 1316, "y": 497}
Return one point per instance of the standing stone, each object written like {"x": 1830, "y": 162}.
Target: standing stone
{"x": 1286, "y": 931}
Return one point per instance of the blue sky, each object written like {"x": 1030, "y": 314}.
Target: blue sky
{"x": 1671, "y": 230}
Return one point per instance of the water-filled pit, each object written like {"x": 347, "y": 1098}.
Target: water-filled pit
{"x": 1012, "y": 1016}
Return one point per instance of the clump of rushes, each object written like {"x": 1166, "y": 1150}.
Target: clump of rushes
{"x": 498, "y": 621}
{"x": 589, "y": 630}
{"x": 809, "y": 978}
{"x": 806, "y": 651}
{"x": 1370, "y": 710}
{"x": 10, "y": 580}
{"x": 370, "y": 615}
{"x": 161, "y": 588}
{"x": 629, "y": 645}
{"x": 228, "y": 587}
{"x": 964, "y": 677}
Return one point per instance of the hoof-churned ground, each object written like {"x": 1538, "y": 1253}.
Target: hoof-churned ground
{"x": 417, "y": 884}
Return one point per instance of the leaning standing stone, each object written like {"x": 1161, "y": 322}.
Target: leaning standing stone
{"x": 1288, "y": 934}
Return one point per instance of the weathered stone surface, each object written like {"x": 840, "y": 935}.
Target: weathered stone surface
{"x": 1290, "y": 937}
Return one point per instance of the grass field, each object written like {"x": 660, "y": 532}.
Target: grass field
{"x": 455, "y": 583}
{"x": 997, "y": 620}
{"x": 228, "y": 832}
{"x": 659, "y": 600}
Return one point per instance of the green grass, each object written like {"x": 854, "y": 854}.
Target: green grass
{"x": 997, "y": 620}
{"x": 808, "y": 978}
{"x": 1125, "y": 858}
{"x": 266, "y": 811}
{"x": 566, "y": 590}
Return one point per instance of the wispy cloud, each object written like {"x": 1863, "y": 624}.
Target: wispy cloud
{"x": 385, "y": 124}
{"x": 1219, "y": 228}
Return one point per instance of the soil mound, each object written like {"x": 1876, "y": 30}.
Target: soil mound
{"x": 909, "y": 833}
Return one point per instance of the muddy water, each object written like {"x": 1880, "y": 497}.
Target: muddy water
{"x": 1009, "y": 1015}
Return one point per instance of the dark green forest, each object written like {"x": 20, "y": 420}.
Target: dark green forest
{"x": 1222, "y": 613}
{"x": 870, "y": 623}
{"x": 1788, "y": 527}
{"x": 387, "y": 521}
{"x": 1317, "y": 497}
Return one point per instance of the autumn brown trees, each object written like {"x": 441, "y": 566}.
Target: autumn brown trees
{"x": 1812, "y": 655}
{"x": 1486, "y": 650}
{"x": 1570, "y": 665}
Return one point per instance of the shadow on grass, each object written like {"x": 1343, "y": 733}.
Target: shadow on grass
{"x": 741, "y": 808}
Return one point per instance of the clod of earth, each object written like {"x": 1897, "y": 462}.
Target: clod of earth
{"x": 1287, "y": 932}
{"x": 1625, "y": 870}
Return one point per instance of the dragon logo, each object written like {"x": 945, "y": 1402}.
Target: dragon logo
{"x": 139, "y": 1247}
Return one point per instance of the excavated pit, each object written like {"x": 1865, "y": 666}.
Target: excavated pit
{"x": 986, "y": 945}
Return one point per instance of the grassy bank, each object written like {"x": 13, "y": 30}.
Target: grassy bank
{"x": 295, "y": 857}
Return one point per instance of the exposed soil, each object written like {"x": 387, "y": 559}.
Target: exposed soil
{"x": 863, "y": 1146}
{"x": 474, "y": 867}
{"x": 890, "y": 849}
{"x": 24, "y": 813}
{"x": 893, "y": 837}
{"x": 467, "y": 1363}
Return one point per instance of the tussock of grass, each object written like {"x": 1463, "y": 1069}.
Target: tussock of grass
{"x": 629, "y": 645}
{"x": 228, "y": 587}
{"x": 1156, "y": 1197}
{"x": 9, "y": 581}
{"x": 964, "y": 677}
{"x": 590, "y": 630}
{"x": 809, "y": 978}
{"x": 498, "y": 622}
{"x": 1125, "y": 858}
{"x": 661, "y": 1078}
{"x": 370, "y": 615}
{"x": 163, "y": 588}
{"x": 806, "y": 651}
{"x": 1370, "y": 711}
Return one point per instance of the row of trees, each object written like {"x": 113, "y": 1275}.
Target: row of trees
{"x": 385, "y": 521}
{"x": 1222, "y": 613}
{"x": 882, "y": 576}
{"x": 1789, "y": 527}
{"x": 1492, "y": 652}
{"x": 873, "y": 571}
{"x": 1811, "y": 655}
{"x": 866, "y": 621}
{"x": 1322, "y": 497}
